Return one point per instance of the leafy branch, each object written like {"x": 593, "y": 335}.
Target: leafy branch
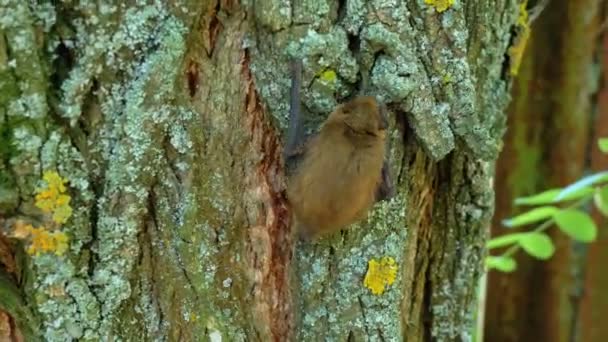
{"x": 560, "y": 207}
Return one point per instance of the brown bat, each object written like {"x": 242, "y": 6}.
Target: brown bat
{"x": 341, "y": 171}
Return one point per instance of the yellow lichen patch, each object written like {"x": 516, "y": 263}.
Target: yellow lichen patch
{"x": 516, "y": 51}
{"x": 380, "y": 274}
{"x": 43, "y": 241}
{"x": 63, "y": 211}
{"x": 446, "y": 78}
{"x": 440, "y": 5}
{"x": 55, "y": 203}
{"x": 329, "y": 76}
{"x": 61, "y": 241}
{"x": 522, "y": 20}
{"x": 52, "y": 198}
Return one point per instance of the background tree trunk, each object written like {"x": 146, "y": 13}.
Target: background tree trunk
{"x": 553, "y": 124}
{"x": 166, "y": 120}
{"x": 594, "y": 301}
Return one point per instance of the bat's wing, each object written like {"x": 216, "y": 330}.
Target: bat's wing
{"x": 295, "y": 146}
{"x": 386, "y": 189}
{"x": 294, "y": 157}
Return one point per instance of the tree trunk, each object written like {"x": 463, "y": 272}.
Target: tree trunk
{"x": 548, "y": 145}
{"x": 594, "y": 300}
{"x": 166, "y": 120}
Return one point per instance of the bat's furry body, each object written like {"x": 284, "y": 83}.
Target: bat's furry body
{"x": 337, "y": 180}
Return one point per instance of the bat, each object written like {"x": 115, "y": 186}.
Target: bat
{"x": 337, "y": 175}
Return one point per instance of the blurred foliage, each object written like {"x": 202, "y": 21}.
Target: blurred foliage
{"x": 560, "y": 207}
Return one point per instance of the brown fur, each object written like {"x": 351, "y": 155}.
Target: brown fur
{"x": 336, "y": 183}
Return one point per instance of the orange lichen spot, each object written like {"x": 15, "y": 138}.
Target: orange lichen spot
{"x": 516, "y": 51}
{"x": 380, "y": 274}
{"x": 40, "y": 239}
{"x": 55, "y": 203}
{"x": 43, "y": 241}
{"x": 440, "y": 5}
{"x": 53, "y": 199}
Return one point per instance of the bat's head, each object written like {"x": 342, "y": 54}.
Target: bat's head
{"x": 364, "y": 115}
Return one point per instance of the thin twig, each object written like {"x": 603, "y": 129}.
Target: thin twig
{"x": 534, "y": 12}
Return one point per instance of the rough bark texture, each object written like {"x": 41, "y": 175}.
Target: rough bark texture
{"x": 167, "y": 118}
{"x": 548, "y": 144}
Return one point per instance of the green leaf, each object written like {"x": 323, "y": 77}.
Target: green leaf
{"x": 602, "y": 143}
{"x": 549, "y": 196}
{"x": 538, "y": 245}
{"x": 601, "y": 200}
{"x": 534, "y": 215}
{"x": 577, "y": 224}
{"x": 583, "y": 182}
{"x": 501, "y": 263}
{"x": 504, "y": 240}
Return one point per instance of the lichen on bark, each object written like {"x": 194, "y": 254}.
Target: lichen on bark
{"x": 442, "y": 78}
{"x": 78, "y": 296}
{"x": 166, "y": 120}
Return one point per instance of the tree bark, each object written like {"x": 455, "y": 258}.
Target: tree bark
{"x": 548, "y": 145}
{"x": 167, "y": 121}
